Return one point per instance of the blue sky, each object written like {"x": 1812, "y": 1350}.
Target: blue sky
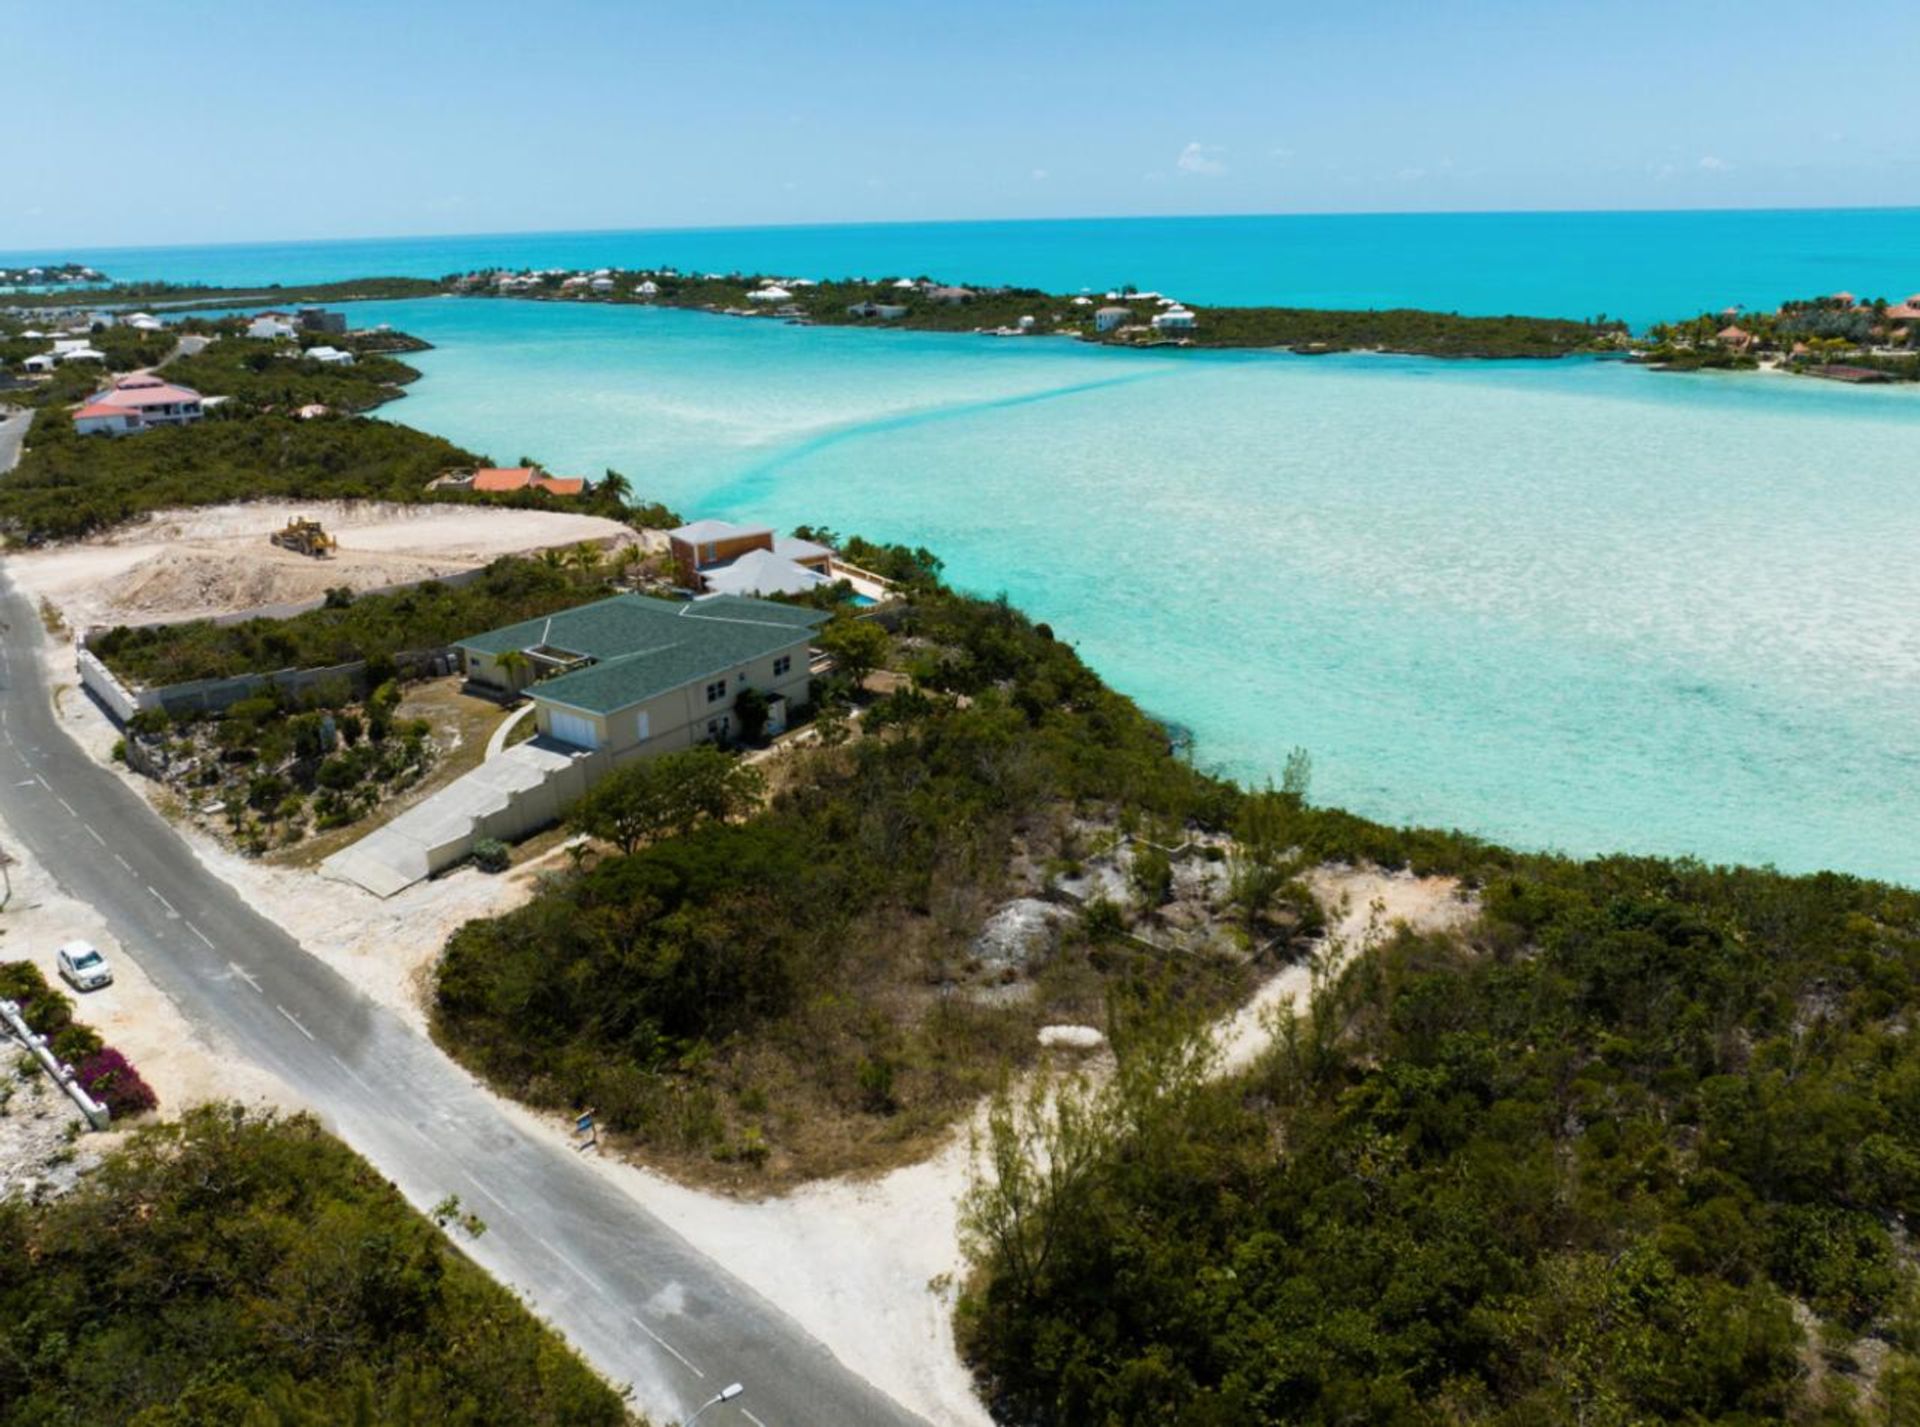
{"x": 204, "y": 120}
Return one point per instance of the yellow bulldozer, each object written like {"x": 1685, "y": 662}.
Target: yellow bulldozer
{"x": 305, "y": 537}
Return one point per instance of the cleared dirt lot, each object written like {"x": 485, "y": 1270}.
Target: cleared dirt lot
{"x": 189, "y": 564}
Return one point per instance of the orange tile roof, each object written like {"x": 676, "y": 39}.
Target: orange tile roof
{"x": 513, "y": 478}
{"x": 562, "y": 485}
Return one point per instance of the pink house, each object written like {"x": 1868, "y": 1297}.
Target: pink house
{"x": 137, "y": 403}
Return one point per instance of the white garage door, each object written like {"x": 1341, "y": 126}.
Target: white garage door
{"x": 576, "y": 729}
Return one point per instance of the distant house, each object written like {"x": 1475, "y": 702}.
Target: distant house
{"x": 602, "y": 284}
{"x": 331, "y": 356}
{"x": 319, "y": 319}
{"x": 1174, "y": 319}
{"x": 38, "y": 362}
{"x": 1108, "y": 318}
{"x": 1908, "y": 311}
{"x": 649, "y": 288}
{"x": 1845, "y": 299}
{"x": 885, "y": 311}
{"x": 636, "y": 676}
{"x": 137, "y": 403}
{"x": 705, "y": 549}
{"x": 77, "y": 352}
{"x": 143, "y": 322}
{"x": 1736, "y": 337}
{"x": 950, "y": 296}
{"x": 265, "y": 328}
{"x": 772, "y": 293}
{"x": 311, "y": 410}
{"x": 520, "y": 478}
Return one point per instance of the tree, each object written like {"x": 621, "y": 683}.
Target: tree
{"x": 858, "y": 646}
{"x": 752, "y": 708}
{"x": 653, "y": 797}
{"x": 585, "y": 557}
{"x": 614, "y": 487}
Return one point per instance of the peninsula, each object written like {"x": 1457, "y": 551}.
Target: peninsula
{"x": 1122, "y": 316}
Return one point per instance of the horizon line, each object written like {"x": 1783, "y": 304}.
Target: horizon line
{"x": 81, "y": 250}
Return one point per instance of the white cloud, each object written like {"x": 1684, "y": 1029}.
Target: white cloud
{"x": 1203, "y": 159}
{"x": 1712, "y": 164}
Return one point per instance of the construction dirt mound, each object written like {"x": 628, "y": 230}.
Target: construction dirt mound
{"x": 194, "y": 564}
{"x": 190, "y": 581}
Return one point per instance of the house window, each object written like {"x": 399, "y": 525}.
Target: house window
{"x": 718, "y": 727}
{"x": 709, "y": 553}
{"x": 716, "y": 691}
{"x": 781, "y": 665}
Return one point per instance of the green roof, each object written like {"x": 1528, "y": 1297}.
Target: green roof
{"x": 644, "y": 647}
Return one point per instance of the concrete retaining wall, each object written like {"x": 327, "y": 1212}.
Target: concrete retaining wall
{"x": 215, "y": 695}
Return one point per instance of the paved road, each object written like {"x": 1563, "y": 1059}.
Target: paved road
{"x": 188, "y": 345}
{"x": 637, "y": 1299}
{"x": 14, "y": 422}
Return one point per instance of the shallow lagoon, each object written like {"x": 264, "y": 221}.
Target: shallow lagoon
{"x": 1572, "y": 605}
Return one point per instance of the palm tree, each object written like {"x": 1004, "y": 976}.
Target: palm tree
{"x": 585, "y": 557}
{"x": 615, "y": 486}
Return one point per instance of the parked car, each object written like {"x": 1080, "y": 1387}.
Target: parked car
{"x": 84, "y": 967}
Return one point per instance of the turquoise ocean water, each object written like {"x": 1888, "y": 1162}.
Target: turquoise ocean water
{"x": 1640, "y": 266}
{"x": 1573, "y": 605}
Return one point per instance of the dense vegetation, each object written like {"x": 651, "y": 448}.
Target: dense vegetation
{"x": 1820, "y": 336}
{"x": 177, "y": 294}
{"x": 238, "y": 1269}
{"x": 371, "y": 627}
{"x": 797, "y": 992}
{"x": 1644, "y": 1147}
{"x": 265, "y": 376}
{"x": 68, "y": 485}
{"x": 1425, "y": 333}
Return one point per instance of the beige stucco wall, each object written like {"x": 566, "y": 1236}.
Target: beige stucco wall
{"x": 678, "y": 718}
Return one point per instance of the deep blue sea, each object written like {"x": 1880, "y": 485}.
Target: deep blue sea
{"x": 1639, "y": 266}
{"x": 1575, "y": 605}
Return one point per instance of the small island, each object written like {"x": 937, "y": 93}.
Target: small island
{"x": 53, "y": 275}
